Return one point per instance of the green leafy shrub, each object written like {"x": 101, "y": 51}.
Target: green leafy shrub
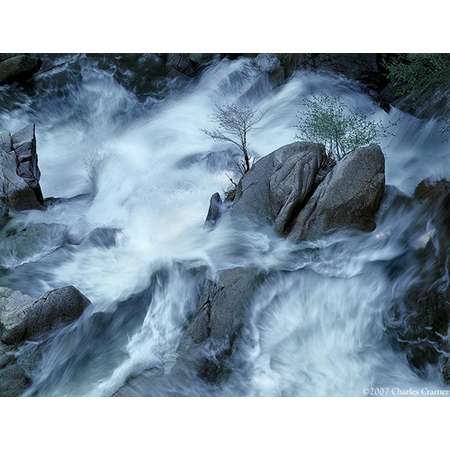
{"x": 415, "y": 74}
{"x": 329, "y": 121}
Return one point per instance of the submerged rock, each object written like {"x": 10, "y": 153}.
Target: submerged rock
{"x": 21, "y": 243}
{"x": 214, "y": 211}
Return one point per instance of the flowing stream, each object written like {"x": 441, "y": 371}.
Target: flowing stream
{"x": 141, "y": 175}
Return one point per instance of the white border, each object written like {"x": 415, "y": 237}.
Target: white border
{"x": 223, "y": 423}
{"x": 231, "y": 26}
{"x": 224, "y": 26}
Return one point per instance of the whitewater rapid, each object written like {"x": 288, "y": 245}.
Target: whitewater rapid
{"x": 316, "y": 327}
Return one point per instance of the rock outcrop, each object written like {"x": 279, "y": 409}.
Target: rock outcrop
{"x": 223, "y": 305}
{"x": 17, "y": 67}
{"x": 278, "y": 185}
{"x": 420, "y": 318}
{"x": 23, "y": 317}
{"x": 19, "y": 171}
{"x": 349, "y": 197}
{"x": 297, "y": 189}
{"x": 303, "y": 194}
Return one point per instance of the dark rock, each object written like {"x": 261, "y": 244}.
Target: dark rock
{"x": 13, "y": 380}
{"x": 420, "y": 317}
{"x": 19, "y": 172}
{"x": 18, "y": 68}
{"x": 24, "y": 146}
{"x": 223, "y": 306}
{"x": 54, "y": 309}
{"x": 22, "y": 317}
{"x": 349, "y": 196}
{"x": 145, "y": 74}
{"x": 202, "y": 58}
{"x": 181, "y": 63}
{"x": 214, "y": 211}
{"x": 4, "y": 213}
{"x": 278, "y": 185}
{"x": 429, "y": 191}
{"x": 13, "y": 307}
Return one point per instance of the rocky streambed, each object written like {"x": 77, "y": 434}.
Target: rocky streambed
{"x": 193, "y": 323}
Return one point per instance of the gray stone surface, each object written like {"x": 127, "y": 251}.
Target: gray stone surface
{"x": 223, "y": 304}
{"x": 24, "y": 146}
{"x": 19, "y": 172}
{"x": 276, "y": 187}
{"x": 54, "y": 309}
{"x": 13, "y": 314}
{"x": 348, "y": 197}
{"x": 22, "y": 317}
{"x": 13, "y": 380}
{"x": 223, "y": 307}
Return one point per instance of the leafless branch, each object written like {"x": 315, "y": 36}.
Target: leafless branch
{"x": 234, "y": 122}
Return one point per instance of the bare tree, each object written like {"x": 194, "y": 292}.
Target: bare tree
{"x": 234, "y": 122}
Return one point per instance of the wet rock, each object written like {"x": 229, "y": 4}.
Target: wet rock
{"x": 21, "y": 243}
{"x": 24, "y": 146}
{"x": 349, "y": 196}
{"x": 22, "y": 317}
{"x": 270, "y": 64}
{"x": 101, "y": 237}
{"x": 420, "y": 317}
{"x": 278, "y": 185}
{"x": 19, "y": 171}
{"x": 13, "y": 378}
{"x": 4, "y": 213}
{"x": 181, "y": 63}
{"x": 17, "y": 68}
{"x": 215, "y": 161}
{"x": 54, "y": 309}
{"x": 223, "y": 306}
{"x": 214, "y": 211}
{"x": 202, "y": 58}
{"x": 13, "y": 307}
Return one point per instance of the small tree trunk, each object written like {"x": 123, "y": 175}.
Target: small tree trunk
{"x": 245, "y": 152}
{"x": 247, "y": 161}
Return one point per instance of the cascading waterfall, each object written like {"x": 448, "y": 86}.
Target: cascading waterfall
{"x": 147, "y": 170}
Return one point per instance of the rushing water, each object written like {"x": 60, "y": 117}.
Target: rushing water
{"x": 147, "y": 171}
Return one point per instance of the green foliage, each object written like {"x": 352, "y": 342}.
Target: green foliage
{"x": 417, "y": 73}
{"x": 328, "y": 121}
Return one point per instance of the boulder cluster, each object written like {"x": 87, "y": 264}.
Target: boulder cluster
{"x": 303, "y": 195}
{"x": 25, "y": 318}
